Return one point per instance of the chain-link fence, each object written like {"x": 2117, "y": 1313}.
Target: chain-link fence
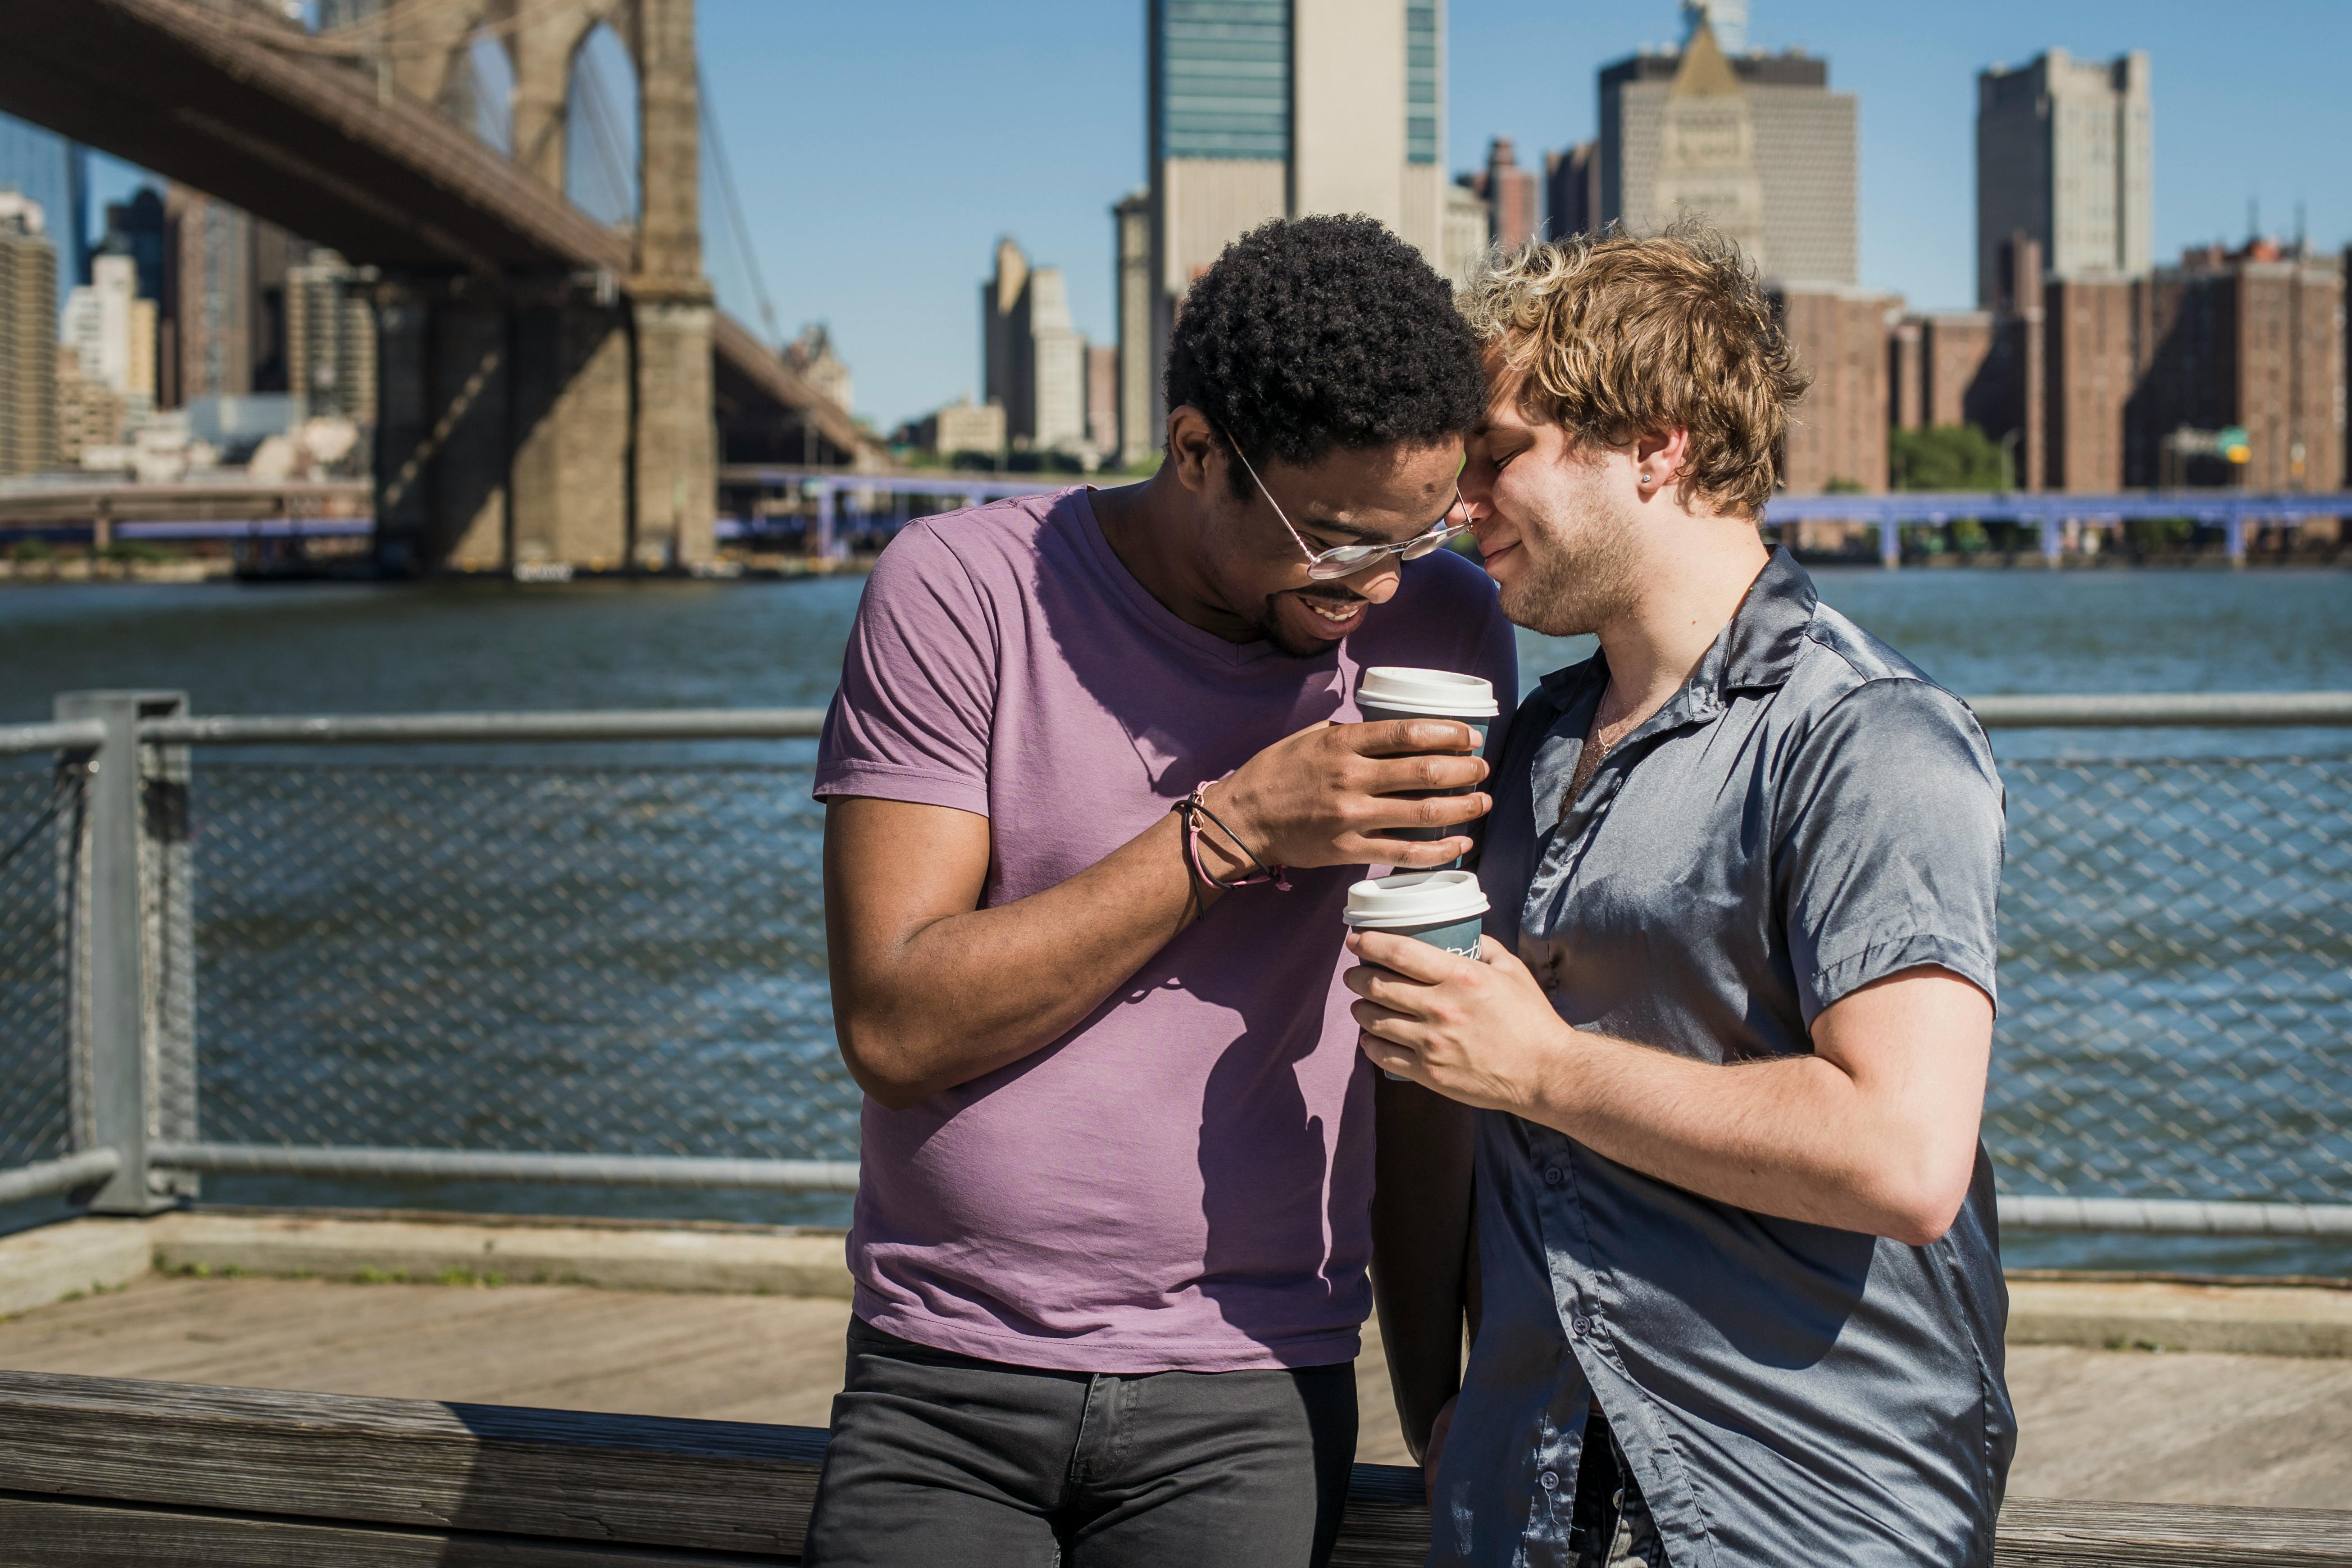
{"x": 550, "y": 962}
{"x": 39, "y": 808}
{"x": 561, "y": 960}
{"x": 2176, "y": 981}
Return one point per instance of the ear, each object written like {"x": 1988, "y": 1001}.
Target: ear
{"x": 1193, "y": 449}
{"x": 1659, "y": 458}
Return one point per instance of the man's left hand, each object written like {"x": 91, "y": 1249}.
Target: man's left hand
{"x": 1478, "y": 1030}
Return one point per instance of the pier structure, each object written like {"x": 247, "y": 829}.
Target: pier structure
{"x": 2061, "y": 522}
{"x": 671, "y": 1399}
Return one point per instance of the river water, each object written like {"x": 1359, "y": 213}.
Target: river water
{"x": 586, "y": 1028}
{"x": 350, "y": 648}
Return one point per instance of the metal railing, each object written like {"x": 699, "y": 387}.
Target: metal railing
{"x": 613, "y": 973}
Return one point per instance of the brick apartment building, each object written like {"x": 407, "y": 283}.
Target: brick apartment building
{"x": 2252, "y": 338}
{"x": 2084, "y": 377}
{"x": 1837, "y": 433}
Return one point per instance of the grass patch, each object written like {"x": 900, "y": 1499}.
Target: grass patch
{"x": 468, "y": 1276}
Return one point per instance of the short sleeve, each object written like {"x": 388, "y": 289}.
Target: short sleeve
{"x": 911, "y": 720}
{"x": 1889, "y": 842}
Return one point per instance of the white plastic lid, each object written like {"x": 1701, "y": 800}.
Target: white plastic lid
{"x": 1415, "y": 898}
{"x": 1440, "y": 693}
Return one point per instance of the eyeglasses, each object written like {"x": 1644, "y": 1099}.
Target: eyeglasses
{"x": 1347, "y": 559}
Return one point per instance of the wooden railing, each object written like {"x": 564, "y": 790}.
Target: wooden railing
{"x": 114, "y": 1473}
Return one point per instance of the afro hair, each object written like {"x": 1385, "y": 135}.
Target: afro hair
{"x": 1319, "y": 333}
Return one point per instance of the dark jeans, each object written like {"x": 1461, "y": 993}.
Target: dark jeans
{"x": 1609, "y": 1527}
{"x": 942, "y": 1458}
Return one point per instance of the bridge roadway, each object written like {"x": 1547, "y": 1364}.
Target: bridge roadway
{"x": 541, "y": 373}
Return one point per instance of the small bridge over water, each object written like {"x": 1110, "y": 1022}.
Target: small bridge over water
{"x": 551, "y": 388}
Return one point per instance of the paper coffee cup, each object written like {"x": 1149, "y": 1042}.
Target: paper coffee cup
{"x": 1394, "y": 691}
{"x": 1444, "y": 909}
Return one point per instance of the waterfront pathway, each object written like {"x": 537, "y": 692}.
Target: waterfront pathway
{"x": 2121, "y": 1425}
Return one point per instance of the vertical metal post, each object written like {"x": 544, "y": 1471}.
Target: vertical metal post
{"x": 1890, "y": 543}
{"x": 824, "y": 501}
{"x": 168, "y": 926}
{"x": 116, "y": 993}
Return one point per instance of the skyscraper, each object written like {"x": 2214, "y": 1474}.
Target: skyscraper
{"x": 1510, "y": 195}
{"x": 2066, "y": 154}
{"x": 1757, "y": 142}
{"x": 1102, "y": 398}
{"x": 208, "y": 298}
{"x": 112, "y": 330}
{"x": 1707, "y": 161}
{"x": 1265, "y": 109}
{"x": 1726, "y": 18}
{"x": 1141, "y": 416}
{"x": 136, "y": 228}
{"x": 1465, "y": 235}
{"x": 29, "y": 328}
{"x": 54, "y": 174}
{"x": 1034, "y": 358}
{"x": 1572, "y": 190}
{"x": 331, "y": 340}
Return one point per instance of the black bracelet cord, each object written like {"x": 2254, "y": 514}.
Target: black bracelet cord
{"x": 1190, "y": 810}
{"x": 1263, "y": 868}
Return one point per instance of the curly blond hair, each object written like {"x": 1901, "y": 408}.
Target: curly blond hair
{"x": 1613, "y": 337}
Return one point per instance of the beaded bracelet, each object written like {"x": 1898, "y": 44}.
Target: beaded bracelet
{"x": 1193, "y": 807}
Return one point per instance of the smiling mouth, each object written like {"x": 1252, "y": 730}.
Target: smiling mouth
{"x": 1332, "y": 615}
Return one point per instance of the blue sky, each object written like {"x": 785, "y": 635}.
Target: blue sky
{"x": 882, "y": 147}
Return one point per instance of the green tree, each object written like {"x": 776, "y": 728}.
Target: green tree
{"x": 1947, "y": 458}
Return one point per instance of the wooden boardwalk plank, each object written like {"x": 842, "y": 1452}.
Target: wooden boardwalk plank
{"x": 190, "y": 1474}
{"x": 41, "y": 1533}
{"x": 2094, "y": 1423}
{"x": 642, "y": 1480}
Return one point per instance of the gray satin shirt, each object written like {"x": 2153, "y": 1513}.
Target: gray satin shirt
{"x": 1808, "y": 814}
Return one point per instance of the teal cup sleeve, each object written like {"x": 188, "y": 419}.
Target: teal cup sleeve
{"x": 1374, "y": 713}
{"x": 1460, "y": 937}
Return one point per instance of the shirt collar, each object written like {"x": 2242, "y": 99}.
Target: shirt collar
{"x": 1761, "y": 646}
{"x": 1758, "y": 650}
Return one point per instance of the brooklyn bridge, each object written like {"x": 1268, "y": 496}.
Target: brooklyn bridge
{"x": 551, "y": 387}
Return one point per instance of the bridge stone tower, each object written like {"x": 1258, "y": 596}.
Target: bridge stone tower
{"x": 559, "y": 420}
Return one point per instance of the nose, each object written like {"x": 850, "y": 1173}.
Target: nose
{"x": 1478, "y": 498}
{"x": 1377, "y": 582}
{"x": 1477, "y": 487}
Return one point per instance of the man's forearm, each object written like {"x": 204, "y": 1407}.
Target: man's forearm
{"x": 1875, "y": 1130}
{"x": 970, "y": 992}
{"x": 1795, "y": 1137}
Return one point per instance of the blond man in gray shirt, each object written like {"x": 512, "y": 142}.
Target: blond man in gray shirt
{"x": 1726, "y": 1041}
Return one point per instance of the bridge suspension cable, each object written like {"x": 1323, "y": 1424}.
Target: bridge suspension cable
{"x": 608, "y": 145}
{"x": 731, "y": 207}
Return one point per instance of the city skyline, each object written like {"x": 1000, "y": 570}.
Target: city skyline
{"x": 973, "y": 154}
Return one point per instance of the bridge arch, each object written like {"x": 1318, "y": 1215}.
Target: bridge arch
{"x": 546, "y": 45}
{"x": 601, "y": 114}
{"x": 485, "y": 106}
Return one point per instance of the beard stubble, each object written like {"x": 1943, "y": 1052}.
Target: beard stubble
{"x": 1580, "y": 567}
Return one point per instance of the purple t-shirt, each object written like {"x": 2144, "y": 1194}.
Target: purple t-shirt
{"x": 1183, "y": 1180}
